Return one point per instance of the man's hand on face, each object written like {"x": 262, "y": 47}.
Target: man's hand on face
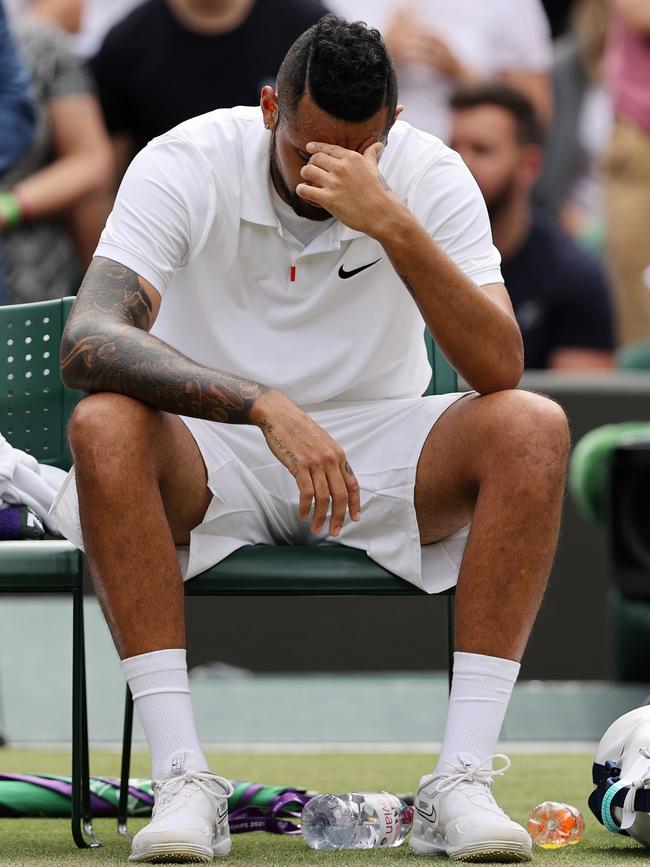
{"x": 348, "y": 184}
{"x": 314, "y": 459}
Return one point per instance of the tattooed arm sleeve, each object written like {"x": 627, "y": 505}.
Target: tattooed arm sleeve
{"x": 106, "y": 347}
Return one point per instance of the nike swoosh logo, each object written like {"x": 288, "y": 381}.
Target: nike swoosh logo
{"x": 345, "y": 274}
{"x": 426, "y": 809}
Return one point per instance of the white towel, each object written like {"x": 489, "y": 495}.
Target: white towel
{"x": 25, "y": 482}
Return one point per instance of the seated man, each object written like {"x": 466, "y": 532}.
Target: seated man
{"x": 253, "y": 321}
{"x": 559, "y": 292}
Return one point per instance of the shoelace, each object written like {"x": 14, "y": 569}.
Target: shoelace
{"x": 483, "y": 773}
{"x": 172, "y": 786}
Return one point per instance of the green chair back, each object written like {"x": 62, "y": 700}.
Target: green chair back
{"x": 443, "y": 376}
{"x": 34, "y": 404}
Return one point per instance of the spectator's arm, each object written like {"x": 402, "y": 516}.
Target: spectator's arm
{"x": 581, "y": 359}
{"x": 63, "y": 13}
{"x": 635, "y": 13}
{"x": 16, "y": 110}
{"x": 83, "y": 162}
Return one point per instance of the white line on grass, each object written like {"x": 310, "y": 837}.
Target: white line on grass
{"x": 384, "y": 748}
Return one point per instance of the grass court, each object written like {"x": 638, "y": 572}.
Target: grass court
{"x": 532, "y": 779}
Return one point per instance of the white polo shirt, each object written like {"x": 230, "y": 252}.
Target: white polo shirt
{"x": 330, "y": 321}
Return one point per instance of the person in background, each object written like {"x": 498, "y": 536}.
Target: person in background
{"x": 627, "y": 167}
{"x": 559, "y": 292}
{"x": 438, "y": 45}
{"x": 170, "y": 60}
{"x": 570, "y": 187}
{"x": 17, "y": 125}
{"x": 86, "y": 21}
{"x": 70, "y": 159}
{"x": 66, "y": 14}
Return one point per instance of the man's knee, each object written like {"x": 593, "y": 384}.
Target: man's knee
{"x": 544, "y": 420}
{"x": 103, "y": 424}
{"x": 534, "y": 430}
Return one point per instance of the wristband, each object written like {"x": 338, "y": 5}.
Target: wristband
{"x": 10, "y": 211}
{"x": 25, "y": 212}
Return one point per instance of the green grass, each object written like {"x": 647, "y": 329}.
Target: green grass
{"x": 532, "y": 779}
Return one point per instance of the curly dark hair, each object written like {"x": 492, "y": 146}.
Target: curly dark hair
{"x": 345, "y": 68}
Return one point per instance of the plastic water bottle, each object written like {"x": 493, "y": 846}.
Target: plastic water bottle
{"x": 553, "y": 825}
{"x": 357, "y": 820}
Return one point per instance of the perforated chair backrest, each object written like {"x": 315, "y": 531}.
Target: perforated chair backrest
{"x": 34, "y": 404}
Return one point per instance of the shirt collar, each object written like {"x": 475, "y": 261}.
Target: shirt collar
{"x": 256, "y": 200}
{"x": 256, "y": 203}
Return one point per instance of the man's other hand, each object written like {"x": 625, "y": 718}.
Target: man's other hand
{"x": 314, "y": 459}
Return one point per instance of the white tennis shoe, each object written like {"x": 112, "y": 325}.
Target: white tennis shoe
{"x": 189, "y": 821}
{"x": 456, "y": 814}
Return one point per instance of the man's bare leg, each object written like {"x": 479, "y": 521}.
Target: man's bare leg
{"x": 142, "y": 487}
{"x": 499, "y": 462}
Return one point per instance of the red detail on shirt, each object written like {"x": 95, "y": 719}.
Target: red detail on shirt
{"x": 292, "y": 273}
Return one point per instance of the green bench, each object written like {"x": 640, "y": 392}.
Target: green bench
{"x": 34, "y": 411}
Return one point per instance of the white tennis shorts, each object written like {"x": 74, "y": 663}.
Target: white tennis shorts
{"x": 255, "y": 498}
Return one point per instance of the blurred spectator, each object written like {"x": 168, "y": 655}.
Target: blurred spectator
{"x": 558, "y": 290}
{"x": 570, "y": 187}
{"x": 16, "y": 125}
{"x": 69, "y": 159}
{"x": 627, "y": 166}
{"x": 170, "y": 60}
{"x": 440, "y": 44}
{"x": 16, "y": 107}
{"x": 86, "y": 21}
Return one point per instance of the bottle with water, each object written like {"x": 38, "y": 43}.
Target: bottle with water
{"x": 357, "y": 820}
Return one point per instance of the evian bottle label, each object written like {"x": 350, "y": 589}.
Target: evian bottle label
{"x": 388, "y": 810}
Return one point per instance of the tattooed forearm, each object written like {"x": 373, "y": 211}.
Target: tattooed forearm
{"x": 106, "y": 347}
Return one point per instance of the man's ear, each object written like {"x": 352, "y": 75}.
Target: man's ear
{"x": 532, "y": 159}
{"x": 269, "y": 106}
{"x": 398, "y": 111}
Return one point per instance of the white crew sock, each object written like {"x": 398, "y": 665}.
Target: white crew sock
{"x": 480, "y": 692}
{"x": 161, "y": 694}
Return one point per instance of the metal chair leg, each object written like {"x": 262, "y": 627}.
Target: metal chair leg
{"x": 450, "y": 638}
{"x": 86, "y": 810}
{"x": 80, "y": 813}
{"x": 123, "y": 803}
